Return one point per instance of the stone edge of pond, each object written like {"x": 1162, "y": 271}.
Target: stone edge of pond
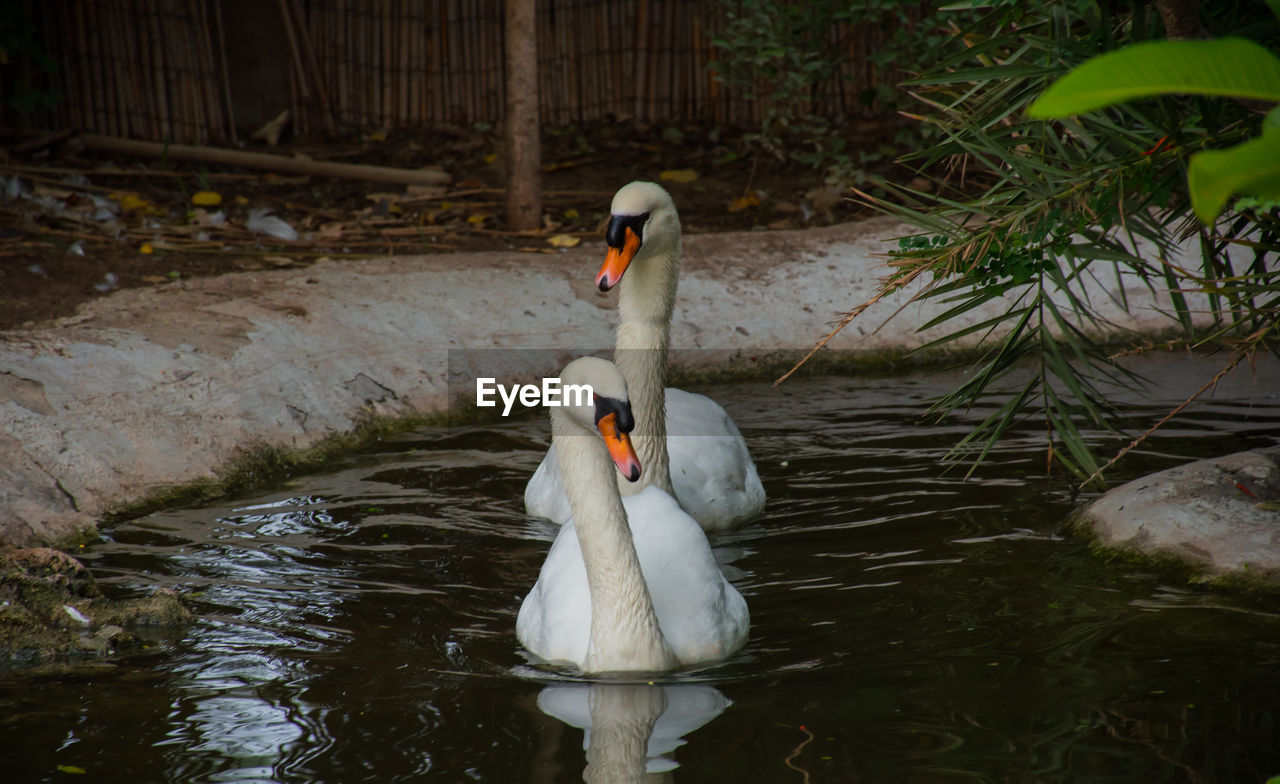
{"x": 1212, "y": 522}
{"x": 234, "y": 381}
{"x": 53, "y": 615}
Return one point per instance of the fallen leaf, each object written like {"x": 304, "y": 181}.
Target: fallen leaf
{"x": 331, "y": 231}
{"x": 377, "y": 136}
{"x": 71, "y": 769}
{"x": 146, "y": 249}
{"x": 679, "y": 175}
{"x": 571, "y": 213}
{"x": 491, "y": 157}
{"x": 743, "y": 202}
{"x": 206, "y": 198}
{"x": 132, "y": 202}
{"x": 476, "y": 218}
{"x": 564, "y": 240}
{"x": 242, "y": 200}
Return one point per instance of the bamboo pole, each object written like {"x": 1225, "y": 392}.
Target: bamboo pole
{"x": 171, "y": 77}
{"x": 211, "y": 82}
{"x": 146, "y": 73}
{"x": 405, "y": 113}
{"x": 494, "y": 96}
{"x": 421, "y": 53}
{"x": 72, "y": 85}
{"x": 384, "y": 63}
{"x": 466, "y": 54}
{"x": 141, "y": 121}
{"x": 264, "y": 161}
{"x": 226, "y": 78}
{"x": 116, "y": 52}
{"x": 95, "y": 93}
{"x": 158, "y": 61}
{"x": 451, "y": 77}
{"x": 342, "y": 34}
{"x": 298, "y": 71}
{"x": 196, "y": 78}
{"x": 303, "y": 36}
{"x": 360, "y": 70}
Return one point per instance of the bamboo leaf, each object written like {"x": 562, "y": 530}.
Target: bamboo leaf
{"x": 1252, "y": 169}
{"x": 1227, "y": 66}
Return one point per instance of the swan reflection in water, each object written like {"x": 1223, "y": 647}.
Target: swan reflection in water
{"x": 630, "y": 730}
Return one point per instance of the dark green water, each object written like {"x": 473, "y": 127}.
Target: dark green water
{"x": 357, "y": 625}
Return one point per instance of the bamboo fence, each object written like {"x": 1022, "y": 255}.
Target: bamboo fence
{"x": 157, "y": 69}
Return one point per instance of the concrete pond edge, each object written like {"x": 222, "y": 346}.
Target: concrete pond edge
{"x": 181, "y": 394}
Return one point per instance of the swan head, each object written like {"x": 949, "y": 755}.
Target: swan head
{"x": 608, "y": 411}
{"x": 642, "y": 221}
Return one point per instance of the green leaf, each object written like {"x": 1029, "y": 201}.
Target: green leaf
{"x": 1252, "y": 168}
{"x": 1227, "y": 66}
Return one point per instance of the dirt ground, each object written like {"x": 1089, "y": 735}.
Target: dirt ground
{"x": 75, "y": 225}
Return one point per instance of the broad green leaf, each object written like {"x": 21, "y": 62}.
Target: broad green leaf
{"x": 1226, "y": 66}
{"x": 1252, "y": 168}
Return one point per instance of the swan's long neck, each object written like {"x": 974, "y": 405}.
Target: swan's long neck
{"x": 646, "y": 299}
{"x": 624, "y": 627}
{"x": 622, "y": 719}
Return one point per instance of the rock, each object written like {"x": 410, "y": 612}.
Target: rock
{"x": 1218, "y": 518}
{"x": 51, "y": 609}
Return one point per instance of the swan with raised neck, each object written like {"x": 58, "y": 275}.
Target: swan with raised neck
{"x": 645, "y": 243}
{"x": 704, "y": 463}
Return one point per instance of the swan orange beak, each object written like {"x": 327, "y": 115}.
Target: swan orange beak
{"x": 620, "y": 449}
{"x": 617, "y": 260}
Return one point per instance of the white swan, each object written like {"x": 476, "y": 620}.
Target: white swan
{"x": 634, "y": 589}
{"x": 709, "y": 470}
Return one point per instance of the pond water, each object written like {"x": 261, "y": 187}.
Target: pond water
{"x": 907, "y": 626}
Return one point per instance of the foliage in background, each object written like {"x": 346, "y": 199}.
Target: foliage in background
{"x": 1231, "y": 67}
{"x": 780, "y": 53}
{"x": 24, "y": 63}
{"x": 1035, "y": 211}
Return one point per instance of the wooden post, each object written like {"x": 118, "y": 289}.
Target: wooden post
{"x": 523, "y": 139}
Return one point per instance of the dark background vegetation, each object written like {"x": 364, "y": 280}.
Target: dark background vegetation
{"x": 757, "y": 114}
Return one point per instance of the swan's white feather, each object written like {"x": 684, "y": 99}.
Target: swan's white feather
{"x": 702, "y": 616}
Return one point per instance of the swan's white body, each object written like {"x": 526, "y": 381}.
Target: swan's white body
{"x": 712, "y": 474}
{"x": 687, "y": 443}
{"x": 624, "y": 588}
